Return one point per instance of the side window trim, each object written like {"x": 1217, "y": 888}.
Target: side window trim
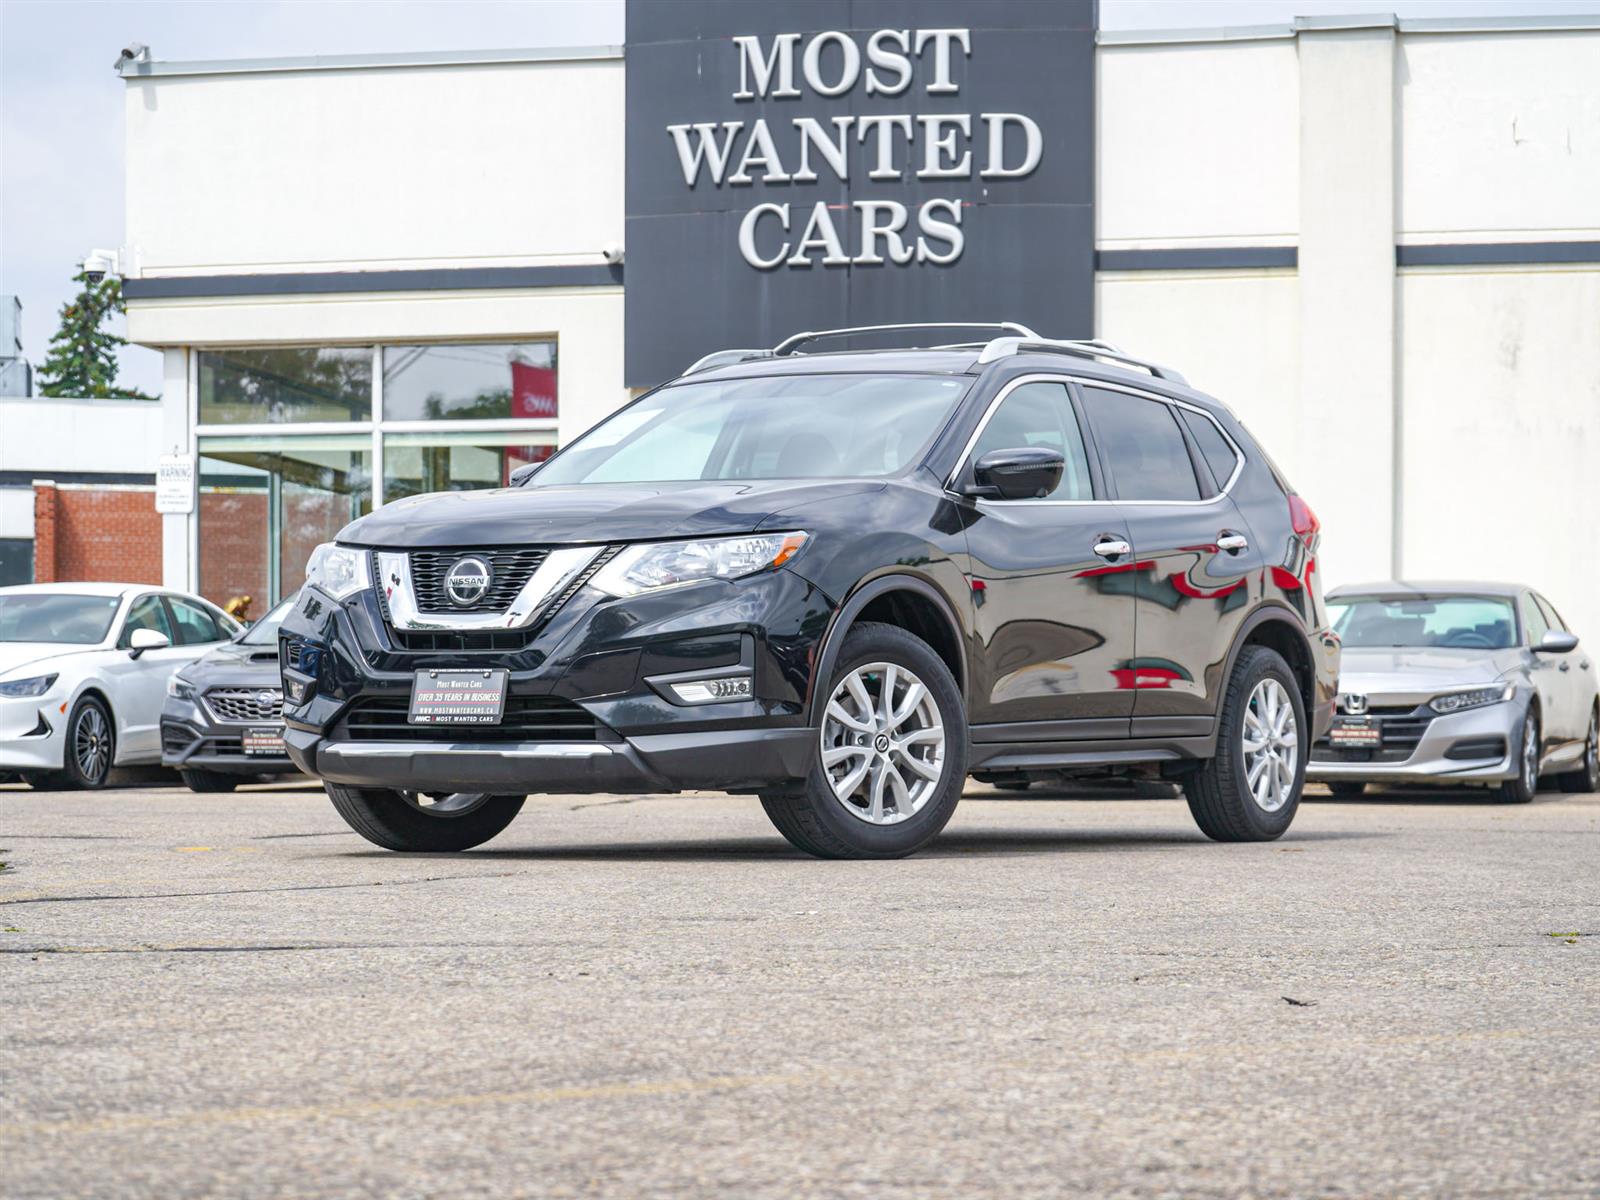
{"x": 1548, "y": 611}
{"x": 964, "y": 463}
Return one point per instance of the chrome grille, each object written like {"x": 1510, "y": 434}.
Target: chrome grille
{"x": 245, "y": 706}
{"x": 511, "y": 569}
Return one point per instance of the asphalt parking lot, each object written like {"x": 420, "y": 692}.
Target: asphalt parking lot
{"x": 233, "y": 995}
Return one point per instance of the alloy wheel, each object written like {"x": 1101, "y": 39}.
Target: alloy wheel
{"x": 1271, "y": 744}
{"x": 91, "y": 744}
{"x": 883, "y": 743}
{"x": 1530, "y": 754}
{"x": 1591, "y": 752}
{"x": 446, "y": 804}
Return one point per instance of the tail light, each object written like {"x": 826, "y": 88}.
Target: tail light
{"x": 1302, "y": 518}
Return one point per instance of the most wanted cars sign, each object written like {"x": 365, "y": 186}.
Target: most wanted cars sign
{"x": 854, "y": 162}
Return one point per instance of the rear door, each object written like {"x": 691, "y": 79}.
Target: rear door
{"x": 1052, "y": 602}
{"x": 1192, "y": 552}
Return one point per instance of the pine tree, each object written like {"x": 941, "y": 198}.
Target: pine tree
{"x": 83, "y": 355}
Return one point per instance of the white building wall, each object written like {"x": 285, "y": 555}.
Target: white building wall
{"x": 1197, "y": 144}
{"x": 498, "y": 165}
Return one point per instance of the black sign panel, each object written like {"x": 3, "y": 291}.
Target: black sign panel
{"x": 854, "y": 162}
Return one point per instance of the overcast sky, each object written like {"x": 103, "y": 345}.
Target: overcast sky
{"x": 61, "y": 102}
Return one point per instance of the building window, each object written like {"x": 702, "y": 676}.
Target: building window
{"x": 266, "y": 503}
{"x": 284, "y": 384}
{"x": 414, "y": 463}
{"x": 470, "y": 381}
{"x": 16, "y": 561}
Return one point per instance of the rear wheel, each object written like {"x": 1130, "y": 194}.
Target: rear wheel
{"x": 1587, "y": 777}
{"x": 209, "y": 781}
{"x": 91, "y": 744}
{"x": 423, "y": 821}
{"x": 891, "y": 755}
{"x": 1347, "y": 787}
{"x": 1250, "y": 791}
{"x": 1525, "y": 786}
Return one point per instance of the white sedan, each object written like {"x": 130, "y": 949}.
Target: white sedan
{"x": 83, "y": 675}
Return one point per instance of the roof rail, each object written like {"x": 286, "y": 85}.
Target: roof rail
{"x": 1004, "y": 347}
{"x": 787, "y": 346}
{"x": 726, "y": 358}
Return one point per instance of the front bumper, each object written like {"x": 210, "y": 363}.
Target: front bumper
{"x": 31, "y": 732}
{"x": 191, "y": 740}
{"x": 588, "y": 708}
{"x": 1438, "y": 754}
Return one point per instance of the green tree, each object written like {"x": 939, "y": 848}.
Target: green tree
{"x": 83, "y": 355}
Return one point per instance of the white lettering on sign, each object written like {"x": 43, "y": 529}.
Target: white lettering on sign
{"x": 895, "y": 146}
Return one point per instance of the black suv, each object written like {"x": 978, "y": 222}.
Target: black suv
{"x": 841, "y": 581}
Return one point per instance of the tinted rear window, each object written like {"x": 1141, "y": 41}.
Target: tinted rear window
{"x": 1148, "y": 456}
{"x": 1214, "y": 447}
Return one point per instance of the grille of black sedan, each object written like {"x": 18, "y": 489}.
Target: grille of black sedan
{"x": 243, "y": 706}
{"x": 510, "y": 570}
{"x": 526, "y": 719}
{"x": 1400, "y": 728}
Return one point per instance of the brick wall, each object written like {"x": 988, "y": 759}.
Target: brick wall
{"x": 83, "y": 532}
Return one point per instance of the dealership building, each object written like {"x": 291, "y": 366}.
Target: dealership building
{"x": 1377, "y": 240}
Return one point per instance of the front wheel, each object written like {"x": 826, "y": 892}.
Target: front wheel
{"x": 91, "y": 744}
{"x": 1587, "y": 777}
{"x": 1347, "y": 787}
{"x": 423, "y": 822}
{"x": 1250, "y": 790}
{"x": 891, "y": 753}
{"x": 1525, "y": 786}
{"x": 208, "y": 781}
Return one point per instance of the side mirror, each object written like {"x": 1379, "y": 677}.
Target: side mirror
{"x": 522, "y": 473}
{"x": 1556, "y": 642}
{"x": 146, "y": 639}
{"x": 1024, "y": 473}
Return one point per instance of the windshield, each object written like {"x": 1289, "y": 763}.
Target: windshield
{"x": 265, "y": 631}
{"x": 57, "y": 617}
{"x": 784, "y": 427}
{"x": 1457, "y": 622}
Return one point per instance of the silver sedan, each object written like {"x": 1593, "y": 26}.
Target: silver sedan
{"x": 1470, "y": 683}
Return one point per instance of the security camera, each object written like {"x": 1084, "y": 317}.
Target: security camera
{"x": 97, "y": 264}
{"x": 136, "y": 52}
{"x": 612, "y": 253}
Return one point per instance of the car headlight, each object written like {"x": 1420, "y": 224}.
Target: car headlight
{"x": 37, "y": 685}
{"x": 339, "y": 570}
{"x": 652, "y": 565}
{"x": 179, "y": 688}
{"x": 1455, "y": 702}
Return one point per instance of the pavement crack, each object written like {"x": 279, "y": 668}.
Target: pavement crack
{"x": 306, "y": 887}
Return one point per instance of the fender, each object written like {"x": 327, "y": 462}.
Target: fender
{"x": 1282, "y": 614}
{"x": 845, "y": 617}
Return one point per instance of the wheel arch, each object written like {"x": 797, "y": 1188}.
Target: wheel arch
{"x": 1278, "y": 628}
{"x": 908, "y": 601}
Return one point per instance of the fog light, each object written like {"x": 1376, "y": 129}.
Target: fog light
{"x": 296, "y": 690}
{"x": 711, "y": 691}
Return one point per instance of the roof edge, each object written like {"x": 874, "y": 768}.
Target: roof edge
{"x": 133, "y": 71}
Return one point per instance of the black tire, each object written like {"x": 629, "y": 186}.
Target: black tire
{"x": 1587, "y": 777}
{"x": 1347, "y": 787}
{"x": 816, "y": 821}
{"x": 209, "y": 781}
{"x": 386, "y": 818}
{"x": 91, "y": 744}
{"x": 1525, "y": 785}
{"x": 1218, "y": 793}
{"x": 47, "y": 781}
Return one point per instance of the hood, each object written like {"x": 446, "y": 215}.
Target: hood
{"x": 589, "y": 513}
{"x": 37, "y": 654}
{"x": 1406, "y": 671}
{"x": 235, "y": 665}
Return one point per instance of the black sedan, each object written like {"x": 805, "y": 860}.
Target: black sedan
{"x": 222, "y": 724}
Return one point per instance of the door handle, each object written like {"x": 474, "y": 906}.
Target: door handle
{"x": 1109, "y": 547}
{"x": 1233, "y": 543}
{"x": 1566, "y": 666}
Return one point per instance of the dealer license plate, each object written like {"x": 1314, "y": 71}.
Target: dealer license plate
{"x": 266, "y": 742}
{"x": 1355, "y": 731}
{"x": 458, "y": 697}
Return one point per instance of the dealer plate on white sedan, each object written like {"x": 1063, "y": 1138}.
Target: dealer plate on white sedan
{"x": 458, "y": 697}
{"x": 1355, "y": 731}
